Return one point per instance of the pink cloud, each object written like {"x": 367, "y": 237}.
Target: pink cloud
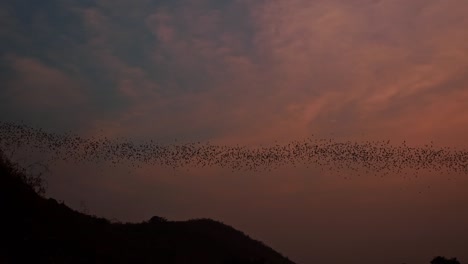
{"x": 336, "y": 51}
{"x": 38, "y": 85}
{"x": 160, "y": 24}
{"x": 310, "y": 66}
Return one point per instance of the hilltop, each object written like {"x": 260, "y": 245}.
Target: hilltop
{"x": 39, "y": 230}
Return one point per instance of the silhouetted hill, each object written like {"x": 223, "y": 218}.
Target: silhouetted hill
{"x": 39, "y": 230}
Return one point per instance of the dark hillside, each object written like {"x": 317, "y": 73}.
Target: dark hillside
{"x": 39, "y": 230}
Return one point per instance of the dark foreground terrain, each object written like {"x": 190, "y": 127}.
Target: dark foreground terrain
{"x": 34, "y": 229}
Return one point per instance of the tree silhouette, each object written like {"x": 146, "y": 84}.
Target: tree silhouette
{"x": 157, "y": 219}
{"x": 443, "y": 260}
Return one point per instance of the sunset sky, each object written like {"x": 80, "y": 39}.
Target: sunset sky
{"x": 251, "y": 73}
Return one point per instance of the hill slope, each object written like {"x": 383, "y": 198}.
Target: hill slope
{"x": 38, "y": 230}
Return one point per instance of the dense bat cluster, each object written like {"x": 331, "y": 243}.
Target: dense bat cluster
{"x": 376, "y": 156}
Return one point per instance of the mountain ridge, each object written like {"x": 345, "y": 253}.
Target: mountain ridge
{"x": 41, "y": 230}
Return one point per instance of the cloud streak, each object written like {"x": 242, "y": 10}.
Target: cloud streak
{"x": 273, "y": 70}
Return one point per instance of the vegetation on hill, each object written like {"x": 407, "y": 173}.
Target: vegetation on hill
{"x": 444, "y": 260}
{"x": 40, "y": 230}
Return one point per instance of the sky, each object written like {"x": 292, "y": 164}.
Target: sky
{"x": 252, "y": 73}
